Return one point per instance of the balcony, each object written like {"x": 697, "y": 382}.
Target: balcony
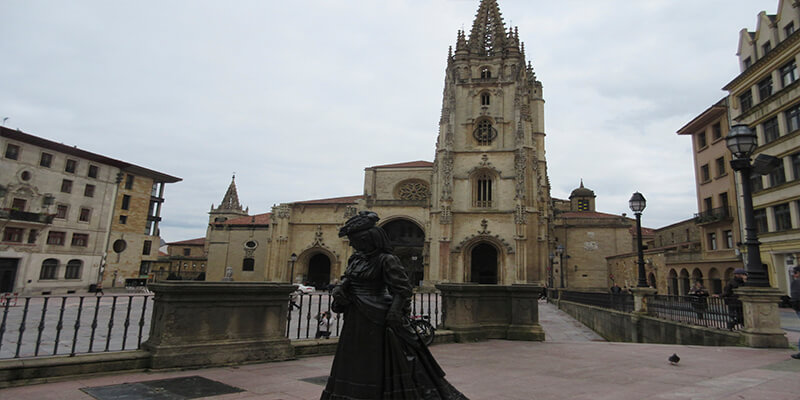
{"x": 713, "y": 215}
{"x": 15, "y": 215}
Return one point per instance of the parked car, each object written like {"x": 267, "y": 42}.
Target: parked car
{"x": 304, "y": 289}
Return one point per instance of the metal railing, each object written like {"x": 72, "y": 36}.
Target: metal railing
{"x": 304, "y": 310}
{"x": 36, "y": 326}
{"x": 712, "y": 312}
{"x": 713, "y": 215}
{"x": 620, "y": 302}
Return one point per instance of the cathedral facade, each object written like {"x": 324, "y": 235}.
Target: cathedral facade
{"x": 480, "y": 212}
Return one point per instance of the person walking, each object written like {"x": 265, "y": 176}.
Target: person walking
{"x": 732, "y": 299}
{"x": 699, "y": 294}
{"x": 794, "y": 291}
{"x": 323, "y": 325}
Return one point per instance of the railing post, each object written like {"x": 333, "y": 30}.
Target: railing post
{"x": 762, "y": 322}
{"x": 640, "y": 295}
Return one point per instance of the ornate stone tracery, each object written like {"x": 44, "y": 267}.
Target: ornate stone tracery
{"x": 413, "y": 190}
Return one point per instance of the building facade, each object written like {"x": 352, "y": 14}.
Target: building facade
{"x": 766, "y": 97}
{"x": 58, "y": 211}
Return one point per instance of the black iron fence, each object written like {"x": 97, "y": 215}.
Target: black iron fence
{"x": 305, "y": 311}
{"x": 34, "y": 326}
{"x": 620, "y": 302}
{"x": 712, "y": 312}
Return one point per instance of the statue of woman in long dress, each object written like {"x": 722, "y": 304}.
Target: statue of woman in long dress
{"x": 379, "y": 355}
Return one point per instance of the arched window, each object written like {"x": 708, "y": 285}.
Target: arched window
{"x": 485, "y": 99}
{"x": 482, "y": 196}
{"x": 485, "y": 132}
{"x": 74, "y": 268}
{"x": 248, "y": 264}
{"x": 49, "y": 269}
{"x": 486, "y": 73}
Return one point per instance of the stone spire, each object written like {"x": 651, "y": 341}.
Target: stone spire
{"x": 231, "y": 199}
{"x": 488, "y": 35}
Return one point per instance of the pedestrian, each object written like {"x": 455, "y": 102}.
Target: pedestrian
{"x": 323, "y": 325}
{"x": 615, "y": 289}
{"x": 732, "y": 299}
{"x": 795, "y": 294}
{"x": 699, "y": 294}
{"x": 293, "y": 300}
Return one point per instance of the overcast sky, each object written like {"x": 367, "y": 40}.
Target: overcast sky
{"x": 298, "y": 97}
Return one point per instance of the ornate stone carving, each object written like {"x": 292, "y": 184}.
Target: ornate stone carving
{"x": 350, "y": 211}
{"x": 281, "y": 211}
{"x": 413, "y": 190}
{"x": 484, "y": 228}
{"x": 520, "y": 162}
{"x": 447, "y": 176}
{"x": 446, "y": 217}
{"x": 520, "y": 216}
{"x": 318, "y": 240}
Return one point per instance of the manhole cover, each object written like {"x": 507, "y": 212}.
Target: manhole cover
{"x": 188, "y": 387}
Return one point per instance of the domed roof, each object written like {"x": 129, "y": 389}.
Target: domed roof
{"x": 582, "y": 192}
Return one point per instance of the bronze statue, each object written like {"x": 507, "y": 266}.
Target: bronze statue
{"x": 379, "y": 355}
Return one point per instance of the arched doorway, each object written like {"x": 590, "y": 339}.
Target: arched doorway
{"x": 672, "y": 282}
{"x": 484, "y": 264}
{"x": 408, "y": 240}
{"x": 684, "y": 283}
{"x": 319, "y": 271}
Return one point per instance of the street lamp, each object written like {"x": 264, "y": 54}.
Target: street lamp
{"x": 637, "y": 204}
{"x": 292, "y": 259}
{"x": 742, "y": 141}
{"x": 560, "y": 254}
{"x": 550, "y": 271}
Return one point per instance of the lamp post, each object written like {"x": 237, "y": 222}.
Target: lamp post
{"x": 742, "y": 141}
{"x": 637, "y": 204}
{"x": 550, "y": 271}
{"x": 292, "y": 259}
{"x": 560, "y": 254}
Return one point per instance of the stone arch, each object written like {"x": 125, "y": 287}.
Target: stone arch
{"x": 672, "y": 282}
{"x": 483, "y": 262}
{"x": 714, "y": 281}
{"x": 684, "y": 285}
{"x": 407, "y": 237}
{"x": 697, "y": 276}
{"x": 318, "y": 273}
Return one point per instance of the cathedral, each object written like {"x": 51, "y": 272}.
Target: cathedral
{"x": 480, "y": 212}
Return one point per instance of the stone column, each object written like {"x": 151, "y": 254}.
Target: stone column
{"x": 199, "y": 324}
{"x": 640, "y": 295}
{"x": 762, "y": 322}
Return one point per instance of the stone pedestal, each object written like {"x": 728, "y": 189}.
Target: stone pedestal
{"x": 640, "y": 298}
{"x": 762, "y": 321}
{"x": 217, "y": 323}
{"x": 480, "y": 312}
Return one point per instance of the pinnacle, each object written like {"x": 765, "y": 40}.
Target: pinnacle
{"x": 488, "y": 33}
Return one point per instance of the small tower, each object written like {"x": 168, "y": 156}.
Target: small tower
{"x": 229, "y": 207}
{"x": 582, "y": 199}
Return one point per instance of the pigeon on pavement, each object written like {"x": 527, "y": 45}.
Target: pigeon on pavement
{"x": 673, "y": 359}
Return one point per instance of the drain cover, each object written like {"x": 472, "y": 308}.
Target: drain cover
{"x": 188, "y": 387}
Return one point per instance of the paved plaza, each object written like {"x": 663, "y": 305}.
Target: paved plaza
{"x": 573, "y": 363}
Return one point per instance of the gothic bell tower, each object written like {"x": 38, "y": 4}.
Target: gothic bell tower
{"x": 490, "y": 195}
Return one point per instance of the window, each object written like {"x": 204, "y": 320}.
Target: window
{"x": 485, "y": 133}
{"x": 723, "y": 202}
{"x": 49, "y": 269}
{"x": 746, "y": 100}
{"x": 793, "y": 118}
{"x": 88, "y": 191}
{"x": 18, "y": 204}
{"x": 56, "y": 238}
{"x": 93, "y": 170}
{"x": 788, "y": 29}
{"x": 248, "y": 264}
{"x": 483, "y": 191}
{"x": 123, "y": 219}
{"x": 61, "y": 211}
{"x": 760, "y": 218}
{"x": 12, "y": 235}
{"x": 70, "y": 166}
{"x": 25, "y": 175}
{"x": 73, "y": 270}
{"x": 144, "y": 267}
{"x": 788, "y": 73}
{"x": 796, "y": 165}
{"x": 85, "y": 215}
{"x": 46, "y": 160}
{"x": 705, "y": 175}
{"x": 66, "y": 186}
{"x": 783, "y": 217}
{"x": 701, "y": 140}
{"x": 766, "y": 48}
{"x": 486, "y": 73}
{"x": 12, "y": 151}
{"x": 708, "y": 203}
{"x": 756, "y": 183}
{"x": 728, "y": 239}
{"x": 716, "y": 131}
{"x": 765, "y": 88}
{"x": 126, "y": 201}
{"x": 80, "y": 239}
{"x": 583, "y": 205}
{"x": 721, "y": 166}
{"x": 32, "y": 234}
{"x": 771, "y": 132}
{"x": 747, "y": 62}
{"x": 129, "y": 182}
{"x": 484, "y": 99}
{"x": 777, "y": 176}
{"x": 712, "y": 241}
{"x": 146, "y": 247}
{"x": 187, "y": 251}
